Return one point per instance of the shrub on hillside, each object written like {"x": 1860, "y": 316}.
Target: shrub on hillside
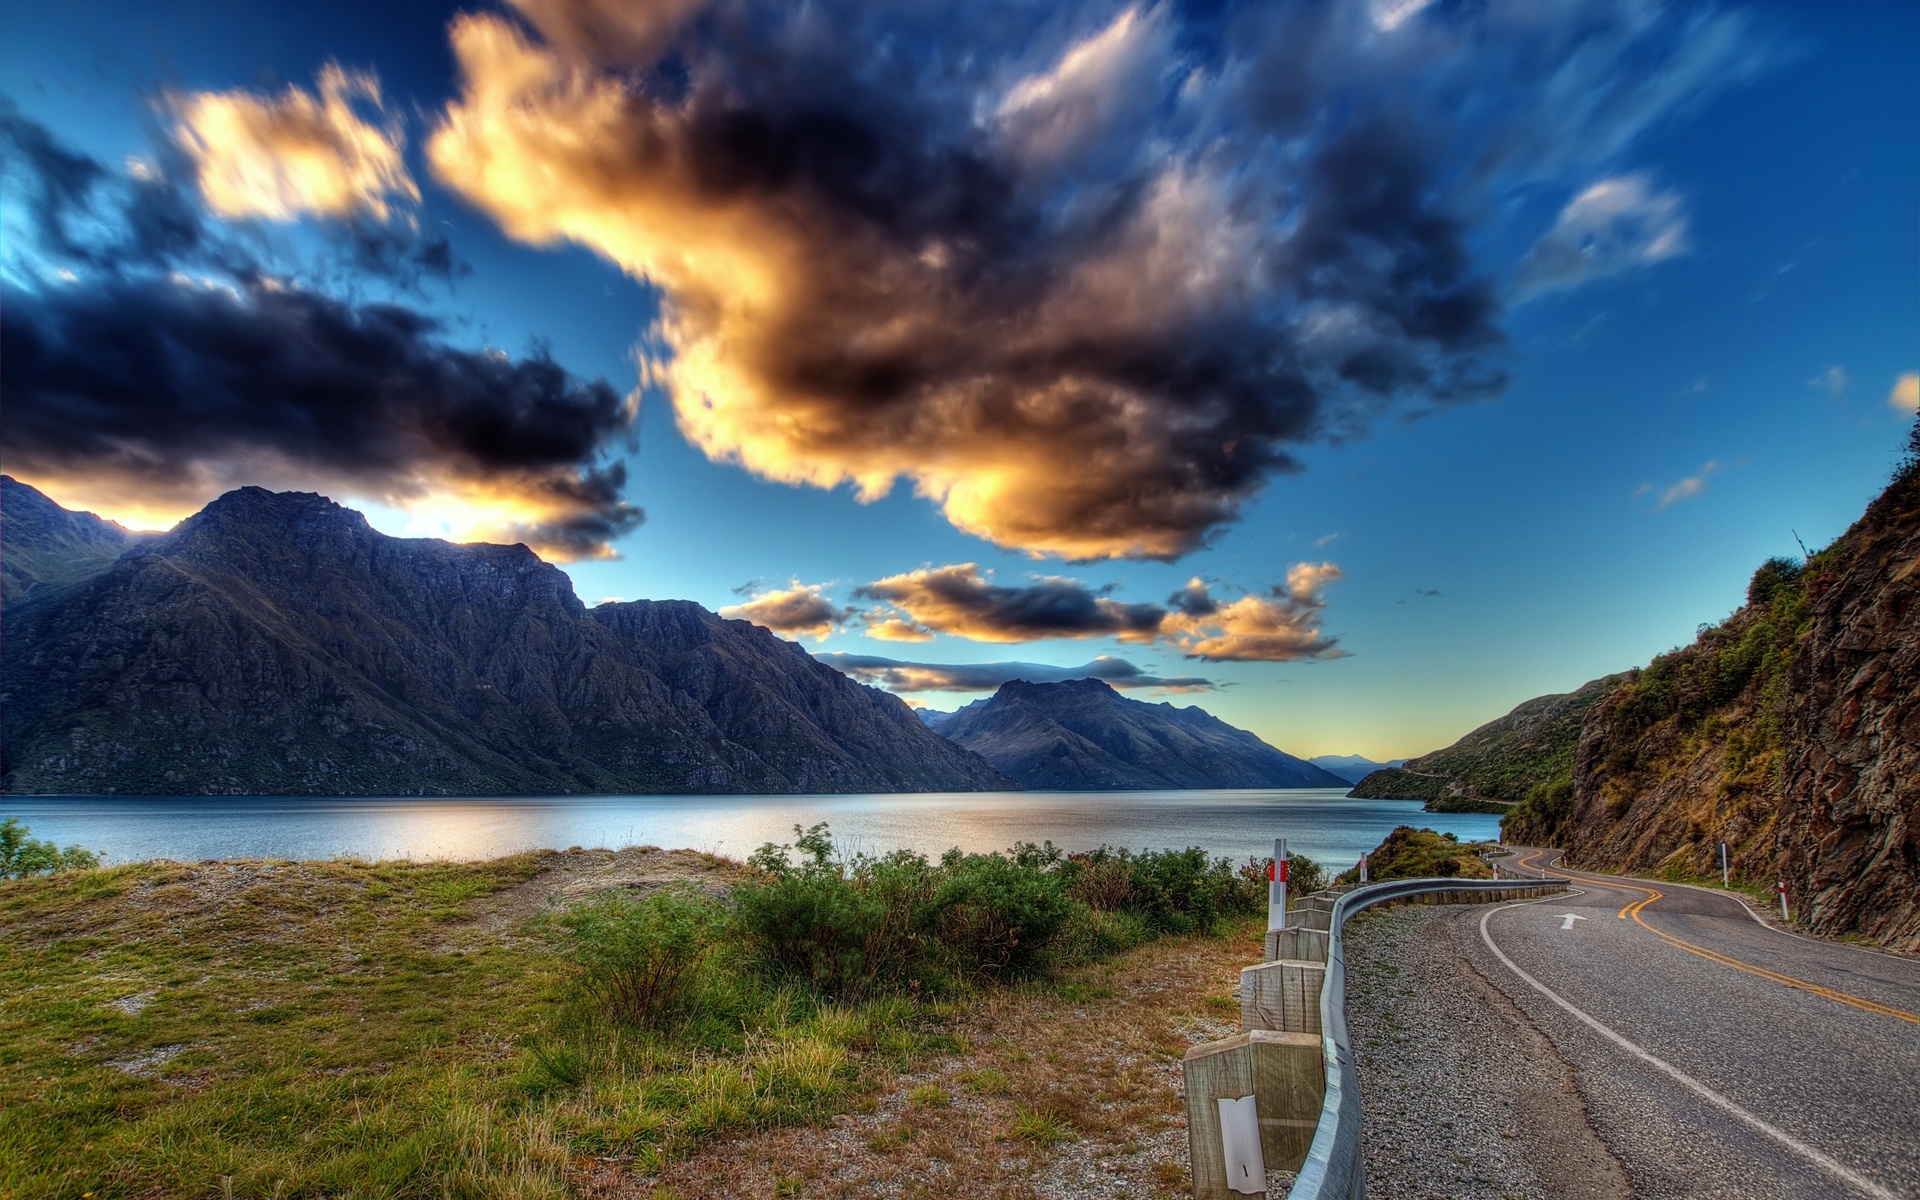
{"x": 1409, "y": 853}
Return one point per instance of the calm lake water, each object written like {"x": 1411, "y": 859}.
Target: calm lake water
{"x": 1319, "y": 822}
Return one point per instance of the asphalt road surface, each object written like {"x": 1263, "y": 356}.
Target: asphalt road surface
{"x": 1717, "y": 1056}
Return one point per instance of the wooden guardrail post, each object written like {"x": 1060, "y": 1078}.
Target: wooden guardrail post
{"x": 1303, "y": 945}
{"x": 1283, "y": 995}
{"x": 1284, "y": 1072}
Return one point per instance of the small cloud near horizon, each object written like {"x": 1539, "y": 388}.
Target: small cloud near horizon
{"x": 898, "y": 676}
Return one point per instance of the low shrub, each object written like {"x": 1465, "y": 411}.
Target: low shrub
{"x": 639, "y": 958}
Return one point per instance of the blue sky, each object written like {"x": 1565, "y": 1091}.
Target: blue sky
{"x": 1672, "y": 413}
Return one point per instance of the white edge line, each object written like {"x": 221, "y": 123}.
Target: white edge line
{"x": 1831, "y": 1166}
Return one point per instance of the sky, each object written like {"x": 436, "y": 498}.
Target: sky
{"x": 1356, "y": 370}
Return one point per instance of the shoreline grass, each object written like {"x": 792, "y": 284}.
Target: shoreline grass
{"x": 394, "y": 1029}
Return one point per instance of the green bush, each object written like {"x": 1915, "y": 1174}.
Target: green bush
{"x": 639, "y": 959}
{"x": 21, "y": 856}
{"x": 997, "y": 916}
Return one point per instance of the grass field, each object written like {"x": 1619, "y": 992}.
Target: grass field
{"x": 399, "y": 1029}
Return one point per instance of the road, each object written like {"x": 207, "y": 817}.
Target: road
{"x": 1717, "y": 1056}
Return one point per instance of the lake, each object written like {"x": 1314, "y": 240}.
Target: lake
{"x": 1319, "y": 822}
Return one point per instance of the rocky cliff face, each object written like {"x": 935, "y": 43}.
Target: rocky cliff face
{"x": 276, "y": 644}
{"x": 1084, "y": 736}
{"x": 1791, "y": 731}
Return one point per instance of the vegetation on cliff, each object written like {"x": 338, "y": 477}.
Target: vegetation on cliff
{"x": 1786, "y": 731}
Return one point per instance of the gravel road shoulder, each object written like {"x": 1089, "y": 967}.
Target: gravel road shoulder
{"x": 1463, "y": 1098}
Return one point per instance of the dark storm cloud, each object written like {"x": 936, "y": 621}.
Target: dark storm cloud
{"x": 161, "y": 362}
{"x": 1085, "y": 276}
{"x": 962, "y": 601}
{"x": 164, "y": 388}
{"x": 899, "y": 676}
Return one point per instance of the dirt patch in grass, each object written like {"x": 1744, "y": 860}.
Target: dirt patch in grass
{"x": 563, "y": 877}
{"x": 1057, "y": 1092}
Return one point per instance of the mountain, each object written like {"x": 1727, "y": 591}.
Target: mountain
{"x": 1497, "y": 765}
{"x": 44, "y": 546}
{"x": 1082, "y": 735}
{"x": 274, "y": 643}
{"x": 1351, "y": 767}
{"x": 1789, "y": 731}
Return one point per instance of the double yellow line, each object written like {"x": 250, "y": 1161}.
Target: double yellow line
{"x": 1838, "y": 997}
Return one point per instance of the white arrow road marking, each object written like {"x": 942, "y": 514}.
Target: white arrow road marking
{"x": 1567, "y": 920}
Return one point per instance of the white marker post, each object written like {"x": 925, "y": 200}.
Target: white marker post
{"x": 1277, "y": 887}
{"x": 1363, "y": 869}
{"x": 1723, "y": 864}
{"x": 1781, "y": 887}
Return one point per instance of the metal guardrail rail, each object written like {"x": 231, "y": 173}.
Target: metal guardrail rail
{"x": 1333, "y": 1169}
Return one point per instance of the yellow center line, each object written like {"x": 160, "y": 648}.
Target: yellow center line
{"x": 1726, "y": 960}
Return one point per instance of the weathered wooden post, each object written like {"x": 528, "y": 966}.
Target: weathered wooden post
{"x": 1281, "y": 1078}
{"x": 1282, "y": 995}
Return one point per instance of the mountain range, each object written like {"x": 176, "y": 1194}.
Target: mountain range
{"x": 1081, "y": 735}
{"x": 275, "y": 643}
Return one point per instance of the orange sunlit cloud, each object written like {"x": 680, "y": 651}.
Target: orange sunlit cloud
{"x": 281, "y": 157}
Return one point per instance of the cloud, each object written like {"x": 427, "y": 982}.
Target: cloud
{"x": 147, "y": 397}
{"x": 962, "y": 601}
{"x": 284, "y": 157}
{"x": 1280, "y": 625}
{"x": 1616, "y": 225}
{"x": 986, "y": 677}
{"x": 1906, "y": 392}
{"x": 161, "y": 363}
{"x": 1685, "y": 489}
{"x": 1083, "y": 277}
{"x": 798, "y": 608}
{"x": 1833, "y": 381}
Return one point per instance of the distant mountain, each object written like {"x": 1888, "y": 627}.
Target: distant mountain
{"x": 1497, "y": 765}
{"x": 932, "y": 718}
{"x": 1082, "y": 735}
{"x": 274, "y": 643}
{"x": 1352, "y": 767}
{"x": 44, "y": 546}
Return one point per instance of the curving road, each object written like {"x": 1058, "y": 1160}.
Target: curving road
{"x": 1716, "y": 1056}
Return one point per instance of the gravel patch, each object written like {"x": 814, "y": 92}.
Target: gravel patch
{"x": 1463, "y": 1098}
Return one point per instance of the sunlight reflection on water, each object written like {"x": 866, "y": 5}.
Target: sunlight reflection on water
{"x": 1319, "y": 822}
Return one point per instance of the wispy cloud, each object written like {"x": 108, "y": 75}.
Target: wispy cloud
{"x": 1833, "y": 381}
{"x": 1616, "y": 225}
{"x": 899, "y": 676}
{"x": 1684, "y": 489}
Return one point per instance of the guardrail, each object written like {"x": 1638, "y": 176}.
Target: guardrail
{"x": 1282, "y": 1093}
{"x": 1333, "y": 1166}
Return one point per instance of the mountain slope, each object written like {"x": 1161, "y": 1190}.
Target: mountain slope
{"x": 1499, "y": 764}
{"x": 44, "y": 546}
{"x": 1082, "y": 735}
{"x": 1790, "y": 731}
{"x": 275, "y": 643}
